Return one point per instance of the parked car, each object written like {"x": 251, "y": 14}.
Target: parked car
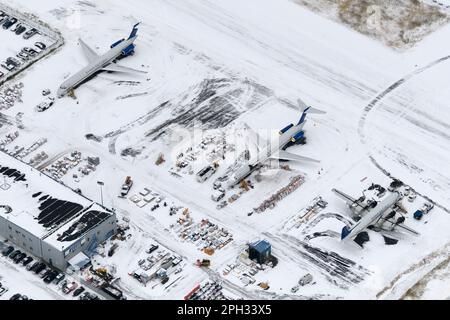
{"x": 20, "y": 29}
{"x": 27, "y": 261}
{"x": 50, "y": 276}
{"x": 217, "y": 195}
{"x": 18, "y": 26}
{"x": 306, "y": 279}
{"x": 40, "y": 45}
{"x": 3, "y": 290}
{"x": 32, "y": 267}
{"x": 23, "y": 55}
{"x": 15, "y": 254}
{"x": 19, "y": 257}
{"x": 62, "y": 284}
{"x": 78, "y": 291}
{"x": 43, "y": 272}
{"x": 13, "y": 61}
{"x": 85, "y": 296}
{"x": 45, "y": 105}
{"x": 30, "y": 33}
{"x": 17, "y": 296}
{"x": 1, "y": 74}
{"x": 3, "y": 18}
{"x": 8, "y": 66}
{"x": 68, "y": 288}
{"x": 9, "y": 22}
{"x": 30, "y": 51}
{"x": 88, "y": 296}
{"x": 59, "y": 277}
{"x": 152, "y": 248}
{"x": 176, "y": 261}
{"x": 39, "y": 268}
{"x": 6, "y": 252}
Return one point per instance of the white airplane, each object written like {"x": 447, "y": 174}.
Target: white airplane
{"x": 105, "y": 62}
{"x": 290, "y": 135}
{"x": 373, "y": 212}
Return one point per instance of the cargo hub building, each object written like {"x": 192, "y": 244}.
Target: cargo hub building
{"x": 48, "y": 220}
{"x": 260, "y": 251}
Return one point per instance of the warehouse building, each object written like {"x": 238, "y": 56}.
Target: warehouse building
{"x": 47, "y": 219}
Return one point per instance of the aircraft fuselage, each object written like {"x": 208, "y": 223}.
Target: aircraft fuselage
{"x": 95, "y": 66}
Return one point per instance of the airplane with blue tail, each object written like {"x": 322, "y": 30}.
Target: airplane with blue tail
{"x": 289, "y": 135}
{"x": 106, "y": 62}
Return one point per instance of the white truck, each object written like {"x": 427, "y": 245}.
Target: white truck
{"x": 126, "y": 186}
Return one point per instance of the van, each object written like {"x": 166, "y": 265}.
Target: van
{"x": 205, "y": 173}
{"x": 217, "y": 196}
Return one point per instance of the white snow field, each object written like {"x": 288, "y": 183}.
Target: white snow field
{"x": 217, "y": 64}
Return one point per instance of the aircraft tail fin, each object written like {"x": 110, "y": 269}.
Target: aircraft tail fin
{"x": 345, "y": 232}
{"x": 305, "y": 109}
{"x": 134, "y": 31}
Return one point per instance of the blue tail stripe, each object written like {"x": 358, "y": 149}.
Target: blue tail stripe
{"x": 134, "y": 31}
{"x": 345, "y": 232}
{"x": 302, "y": 119}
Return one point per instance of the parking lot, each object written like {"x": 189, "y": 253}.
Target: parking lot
{"x": 43, "y": 281}
{"x": 23, "y": 42}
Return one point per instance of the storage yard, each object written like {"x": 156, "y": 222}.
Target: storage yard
{"x": 354, "y": 206}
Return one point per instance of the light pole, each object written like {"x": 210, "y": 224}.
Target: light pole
{"x": 101, "y": 184}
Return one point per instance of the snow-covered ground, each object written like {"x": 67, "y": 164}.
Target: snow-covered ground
{"x": 218, "y": 64}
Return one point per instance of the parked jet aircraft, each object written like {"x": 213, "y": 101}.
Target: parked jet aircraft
{"x": 291, "y": 134}
{"x": 376, "y": 211}
{"x": 106, "y": 62}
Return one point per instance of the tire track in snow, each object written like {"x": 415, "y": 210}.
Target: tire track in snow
{"x": 374, "y": 102}
{"x": 338, "y": 270}
{"x": 324, "y": 216}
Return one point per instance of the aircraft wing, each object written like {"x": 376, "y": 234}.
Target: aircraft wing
{"x": 90, "y": 54}
{"x": 118, "y": 68}
{"x": 255, "y": 138}
{"x": 345, "y": 196}
{"x": 284, "y": 155}
{"x": 403, "y": 227}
